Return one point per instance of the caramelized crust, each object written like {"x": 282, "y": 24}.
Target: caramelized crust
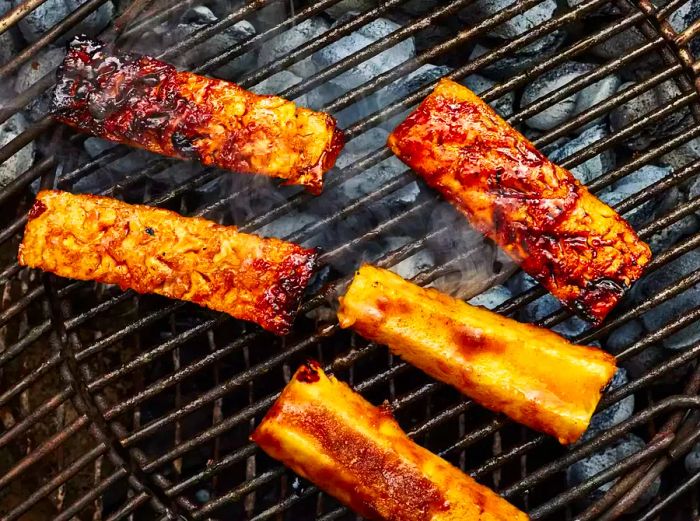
{"x": 577, "y": 247}
{"x": 531, "y": 374}
{"x": 152, "y": 250}
{"x": 356, "y": 452}
{"x": 145, "y": 102}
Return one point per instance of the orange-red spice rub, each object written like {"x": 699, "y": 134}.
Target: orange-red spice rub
{"x": 152, "y": 250}
{"x": 147, "y": 103}
{"x": 356, "y": 452}
{"x": 576, "y": 246}
{"x": 529, "y": 373}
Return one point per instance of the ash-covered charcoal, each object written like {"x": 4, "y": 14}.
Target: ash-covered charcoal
{"x": 480, "y": 84}
{"x": 286, "y": 42}
{"x": 624, "y": 336}
{"x": 492, "y": 297}
{"x": 202, "y": 495}
{"x": 683, "y": 17}
{"x": 356, "y": 41}
{"x": 408, "y": 268}
{"x": 10, "y": 39}
{"x": 290, "y": 223}
{"x": 19, "y": 162}
{"x": 694, "y": 189}
{"x": 46, "y": 15}
{"x": 645, "y": 360}
{"x": 127, "y": 163}
{"x": 597, "y": 462}
{"x": 362, "y": 72}
{"x": 425, "y": 75}
{"x": 591, "y": 168}
{"x": 419, "y": 7}
{"x": 683, "y": 155}
{"x": 653, "y": 283}
{"x": 371, "y": 179}
{"x": 521, "y": 60}
{"x": 545, "y": 306}
{"x": 565, "y": 109}
{"x": 677, "y": 230}
{"x": 342, "y": 7}
{"x": 647, "y": 102}
{"x": 279, "y": 82}
{"x": 517, "y": 25}
{"x": 194, "y": 20}
{"x": 692, "y": 460}
{"x": 608, "y": 8}
{"x": 45, "y": 62}
{"x": 630, "y": 185}
{"x": 652, "y": 357}
{"x": 434, "y": 35}
{"x": 621, "y": 44}
{"x": 615, "y": 413}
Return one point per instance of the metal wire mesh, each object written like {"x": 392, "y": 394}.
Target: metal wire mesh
{"x": 116, "y": 405}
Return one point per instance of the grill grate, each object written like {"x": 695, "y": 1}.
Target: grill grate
{"x": 117, "y": 406}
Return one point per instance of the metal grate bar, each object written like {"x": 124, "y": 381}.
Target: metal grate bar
{"x": 672, "y": 363}
{"x": 151, "y": 19}
{"x": 39, "y": 452}
{"x": 50, "y": 36}
{"x": 669, "y": 8}
{"x": 27, "y": 422}
{"x": 681, "y": 490}
{"x": 23, "y": 139}
{"x": 149, "y": 356}
{"x": 25, "y": 383}
{"x": 18, "y": 12}
{"x": 25, "y": 178}
{"x": 55, "y": 482}
{"x": 129, "y": 507}
{"x": 653, "y": 449}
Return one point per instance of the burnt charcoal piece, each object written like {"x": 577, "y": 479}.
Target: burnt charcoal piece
{"x": 144, "y": 102}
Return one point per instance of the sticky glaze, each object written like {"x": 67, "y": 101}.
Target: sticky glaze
{"x": 573, "y": 244}
{"x": 141, "y": 101}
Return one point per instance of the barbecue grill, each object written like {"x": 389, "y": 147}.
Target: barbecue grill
{"x": 120, "y": 406}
